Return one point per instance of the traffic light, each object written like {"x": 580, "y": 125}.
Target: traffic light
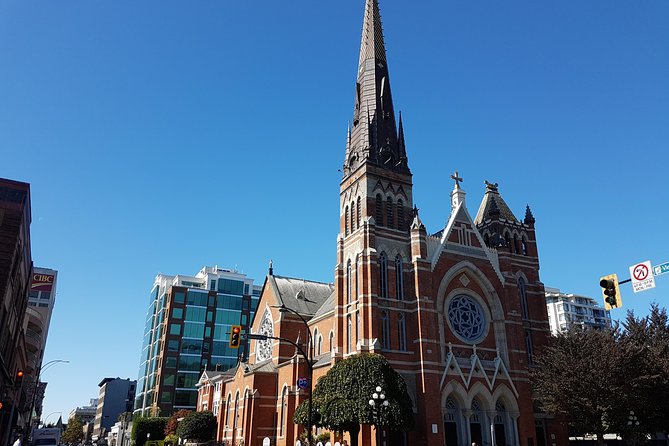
{"x": 19, "y": 378}
{"x": 235, "y": 336}
{"x": 611, "y": 292}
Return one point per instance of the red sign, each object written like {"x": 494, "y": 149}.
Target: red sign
{"x": 640, "y": 272}
{"x": 42, "y": 282}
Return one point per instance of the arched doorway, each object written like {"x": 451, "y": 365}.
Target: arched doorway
{"x": 451, "y": 417}
{"x": 476, "y": 423}
{"x": 501, "y": 420}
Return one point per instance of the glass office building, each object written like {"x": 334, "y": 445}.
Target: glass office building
{"x": 187, "y": 331}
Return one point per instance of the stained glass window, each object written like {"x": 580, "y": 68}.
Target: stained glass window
{"x": 466, "y": 318}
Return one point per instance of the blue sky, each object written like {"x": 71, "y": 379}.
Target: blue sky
{"x": 161, "y": 136}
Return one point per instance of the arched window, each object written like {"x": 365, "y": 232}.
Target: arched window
{"x": 516, "y": 245}
{"x": 399, "y": 278}
{"x": 523, "y": 246}
{"x": 522, "y": 294}
{"x": 486, "y": 240}
{"x": 346, "y": 222}
{"x": 385, "y": 330}
{"x": 402, "y": 331}
{"x": 234, "y": 414}
{"x": 529, "y": 346}
{"x": 353, "y": 219}
{"x": 349, "y": 336}
{"x": 357, "y": 325}
{"x": 357, "y": 277}
{"x": 383, "y": 275}
{"x": 284, "y": 411}
{"x": 226, "y": 417}
{"x": 331, "y": 341}
{"x": 349, "y": 282}
{"x": 314, "y": 338}
{"x": 389, "y": 213}
{"x": 400, "y": 215}
{"x": 379, "y": 210}
{"x": 507, "y": 238}
{"x": 319, "y": 345}
{"x": 359, "y": 214}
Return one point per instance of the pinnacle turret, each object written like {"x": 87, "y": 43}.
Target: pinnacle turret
{"x": 374, "y": 136}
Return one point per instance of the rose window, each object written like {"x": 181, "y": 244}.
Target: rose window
{"x": 466, "y": 318}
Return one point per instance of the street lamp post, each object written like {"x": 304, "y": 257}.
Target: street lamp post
{"x": 40, "y": 370}
{"x": 378, "y": 402}
{"x": 633, "y": 423}
{"x": 310, "y": 360}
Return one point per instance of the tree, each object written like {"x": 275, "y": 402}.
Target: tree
{"x": 649, "y": 381}
{"x": 173, "y": 422}
{"x": 155, "y": 426}
{"x": 341, "y": 397}
{"x": 74, "y": 432}
{"x": 198, "y": 426}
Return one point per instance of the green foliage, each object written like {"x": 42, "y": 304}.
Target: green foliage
{"x": 595, "y": 377}
{"x": 171, "y": 439}
{"x": 155, "y": 443}
{"x": 198, "y": 426}
{"x": 148, "y": 425}
{"x": 341, "y": 397}
{"x": 74, "y": 432}
{"x": 171, "y": 427}
{"x": 324, "y": 437}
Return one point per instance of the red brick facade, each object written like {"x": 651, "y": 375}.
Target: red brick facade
{"x": 458, "y": 313}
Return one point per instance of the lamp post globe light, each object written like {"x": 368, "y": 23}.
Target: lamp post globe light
{"x": 378, "y": 402}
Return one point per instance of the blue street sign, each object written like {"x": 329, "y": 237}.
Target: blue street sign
{"x": 302, "y": 383}
{"x": 661, "y": 269}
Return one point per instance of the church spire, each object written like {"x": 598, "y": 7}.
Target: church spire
{"x": 374, "y": 136}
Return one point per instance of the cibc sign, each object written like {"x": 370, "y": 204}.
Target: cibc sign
{"x": 42, "y": 282}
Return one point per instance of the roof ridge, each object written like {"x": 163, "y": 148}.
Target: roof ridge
{"x": 305, "y": 280}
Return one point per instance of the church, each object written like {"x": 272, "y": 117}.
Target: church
{"x": 458, "y": 312}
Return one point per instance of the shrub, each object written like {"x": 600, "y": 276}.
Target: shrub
{"x": 198, "y": 426}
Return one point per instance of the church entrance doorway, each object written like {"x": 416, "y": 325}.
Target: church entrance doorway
{"x": 500, "y": 435}
{"x": 451, "y": 433}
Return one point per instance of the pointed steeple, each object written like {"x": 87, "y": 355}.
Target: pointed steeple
{"x": 374, "y": 137}
{"x": 400, "y": 140}
{"x": 493, "y": 206}
{"x": 529, "y": 218}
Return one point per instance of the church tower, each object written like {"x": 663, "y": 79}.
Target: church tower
{"x": 375, "y": 201}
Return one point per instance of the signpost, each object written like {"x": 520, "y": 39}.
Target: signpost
{"x": 662, "y": 268}
{"x": 642, "y": 277}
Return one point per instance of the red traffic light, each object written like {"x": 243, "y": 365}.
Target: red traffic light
{"x": 19, "y": 374}
{"x": 235, "y": 336}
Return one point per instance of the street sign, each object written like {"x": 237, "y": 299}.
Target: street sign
{"x": 302, "y": 383}
{"x": 642, "y": 276}
{"x": 662, "y": 268}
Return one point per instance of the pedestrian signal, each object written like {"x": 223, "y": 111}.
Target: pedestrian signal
{"x": 235, "y": 336}
{"x": 611, "y": 292}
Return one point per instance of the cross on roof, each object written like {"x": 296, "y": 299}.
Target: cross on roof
{"x": 457, "y": 179}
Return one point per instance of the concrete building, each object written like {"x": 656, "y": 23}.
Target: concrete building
{"x": 458, "y": 312}
{"x": 15, "y": 276}
{"x": 41, "y": 300}
{"x": 116, "y": 397}
{"x": 569, "y": 310}
{"x": 85, "y": 413}
{"x": 187, "y": 331}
